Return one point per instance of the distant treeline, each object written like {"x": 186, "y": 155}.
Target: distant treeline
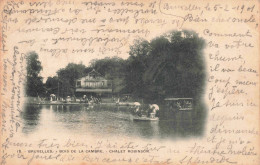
{"x": 171, "y": 65}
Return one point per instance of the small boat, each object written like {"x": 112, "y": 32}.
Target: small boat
{"x": 144, "y": 118}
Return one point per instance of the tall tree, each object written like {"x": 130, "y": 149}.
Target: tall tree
{"x": 136, "y": 66}
{"x": 34, "y": 84}
{"x": 67, "y": 77}
{"x": 52, "y": 85}
{"x": 112, "y": 68}
{"x": 170, "y": 65}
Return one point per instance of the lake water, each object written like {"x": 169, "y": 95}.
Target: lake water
{"x": 98, "y": 121}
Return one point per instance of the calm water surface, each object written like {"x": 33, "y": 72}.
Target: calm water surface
{"x": 98, "y": 121}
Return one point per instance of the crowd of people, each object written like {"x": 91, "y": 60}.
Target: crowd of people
{"x": 141, "y": 110}
{"x": 83, "y": 99}
{"x": 91, "y": 99}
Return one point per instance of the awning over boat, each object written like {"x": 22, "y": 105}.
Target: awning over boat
{"x": 175, "y": 99}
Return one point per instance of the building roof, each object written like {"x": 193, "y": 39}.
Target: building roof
{"x": 90, "y": 76}
{"x": 94, "y": 72}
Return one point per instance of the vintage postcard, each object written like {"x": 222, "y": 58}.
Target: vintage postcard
{"x": 129, "y": 82}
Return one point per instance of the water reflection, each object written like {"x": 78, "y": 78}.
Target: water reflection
{"x": 31, "y": 118}
{"x": 101, "y": 121}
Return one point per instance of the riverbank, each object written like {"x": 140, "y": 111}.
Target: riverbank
{"x": 106, "y": 101}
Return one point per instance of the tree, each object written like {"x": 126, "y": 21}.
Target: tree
{"x": 136, "y": 65}
{"x": 112, "y": 69}
{"x": 34, "y": 84}
{"x": 52, "y": 85}
{"x": 67, "y": 77}
{"x": 170, "y": 65}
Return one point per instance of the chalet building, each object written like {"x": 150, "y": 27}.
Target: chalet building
{"x": 93, "y": 84}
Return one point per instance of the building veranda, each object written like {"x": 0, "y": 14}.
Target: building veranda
{"x": 93, "y": 84}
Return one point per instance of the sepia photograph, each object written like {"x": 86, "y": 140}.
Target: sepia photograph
{"x": 120, "y": 82}
{"x": 155, "y": 93}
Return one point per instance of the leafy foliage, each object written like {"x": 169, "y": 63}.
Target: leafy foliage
{"x": 112, "y": 69}
{"x": 34, "y": 85}
{"x": 170, "y": 65}
{"x": 52, "y": 85}
{"x": 67, "y": 78}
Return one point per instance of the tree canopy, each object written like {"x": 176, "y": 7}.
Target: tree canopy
{"x": 67, "y": 78}
{"x": 34, "y": 85}
{"x": 170, "y": 65}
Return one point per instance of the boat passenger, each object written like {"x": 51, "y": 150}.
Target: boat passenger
{"x": 118, "y": 101}
{"x": 153, "y": 108}
{"x": 91, "y": 101}
{"x": 137, "y": 110}
{"x": 136, "y": 106}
